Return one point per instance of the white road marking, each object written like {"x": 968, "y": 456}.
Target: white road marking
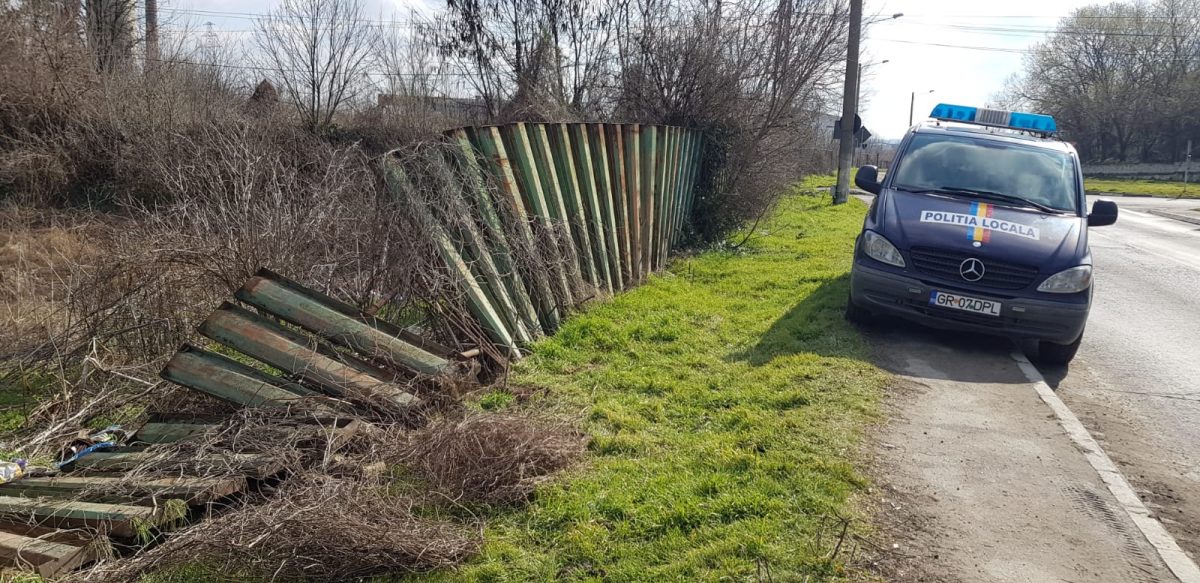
{"x": 1177, "y": 561}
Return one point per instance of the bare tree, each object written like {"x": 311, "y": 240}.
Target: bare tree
{"x": 320, "y": 52}
{"x": 1120, "y": 78}
{"x": 528, "y": 55}
{"x": 111, "y": 32}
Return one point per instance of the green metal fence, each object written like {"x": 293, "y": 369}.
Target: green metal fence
{"x": 615, "y": 195}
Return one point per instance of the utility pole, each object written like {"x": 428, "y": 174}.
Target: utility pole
{"x": 841, "y": 192}
{"x": 911, "y": 102}
{"x": 1187, "y": 166}
{"x": 152, "y": 55}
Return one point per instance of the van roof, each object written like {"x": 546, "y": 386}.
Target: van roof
{"x": 992, "y": 133}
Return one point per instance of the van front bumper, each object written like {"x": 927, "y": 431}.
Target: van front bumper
{"x": 883, "y": 292}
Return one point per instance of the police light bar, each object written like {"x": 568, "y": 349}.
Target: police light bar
{"x": 1033, "y": 122}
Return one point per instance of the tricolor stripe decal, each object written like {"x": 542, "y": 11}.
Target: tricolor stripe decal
{"x": 982, "y": 210}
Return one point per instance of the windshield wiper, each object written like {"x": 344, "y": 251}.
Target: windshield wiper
{"x": 998, "y": 196}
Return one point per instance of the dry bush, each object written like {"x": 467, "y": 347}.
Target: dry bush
{"x": 492, "y": 458}
{"x": 313, "y": 528}
{"x": 751, "y": 76}
{"x": 339, "y": 516}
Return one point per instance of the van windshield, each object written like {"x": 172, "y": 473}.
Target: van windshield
{"x": 945, "y": 162}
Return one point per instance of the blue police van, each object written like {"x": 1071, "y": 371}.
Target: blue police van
{"x": 980, "y": 225}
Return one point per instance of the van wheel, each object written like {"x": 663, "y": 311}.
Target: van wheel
{"x": 856, "y": 314}
{"x": 1060, "y": 354}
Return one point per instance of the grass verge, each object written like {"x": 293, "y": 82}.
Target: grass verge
{"x": 1143, "y": 187}
{"x": 725, "y": 399}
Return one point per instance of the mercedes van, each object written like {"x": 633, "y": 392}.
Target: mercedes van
{"x": 980, "y": 225}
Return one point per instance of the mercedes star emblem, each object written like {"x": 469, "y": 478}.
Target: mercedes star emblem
{"x": 971, "y": 269}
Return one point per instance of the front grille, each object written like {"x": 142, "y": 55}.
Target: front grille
{"x": 997, "y": 274}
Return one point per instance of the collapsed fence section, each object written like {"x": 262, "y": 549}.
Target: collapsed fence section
{"x": 544, "y": 216}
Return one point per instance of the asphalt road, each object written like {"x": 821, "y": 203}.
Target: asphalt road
{"x": 980, "y": 481}
{"x": 1136, "y": 381}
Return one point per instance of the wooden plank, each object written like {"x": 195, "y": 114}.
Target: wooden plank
{"x": 254, "y": 466}
{"x": 649, "y": 161}
{"x": 472, "y": 246}
{"x": 193, "y": 490}
{"x": 46, "y": 557}
{"x": 621, "y": 202}
{"x": 170, "y": 432}
{"x": 115, "y": 519}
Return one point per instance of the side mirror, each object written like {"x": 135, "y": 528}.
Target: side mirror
{"x": 867, "y": 178}
{"x": 1104, "y": 212}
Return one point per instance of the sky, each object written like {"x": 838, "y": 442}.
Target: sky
{"x": 925, "y": 49}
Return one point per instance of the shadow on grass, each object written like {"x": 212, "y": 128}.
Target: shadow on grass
{"x": 815, "y": 325}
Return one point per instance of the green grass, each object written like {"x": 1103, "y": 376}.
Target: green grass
{"x": 725, "y": 399}
{"x": 815, "y": 181}
{"x": 1144, "y": 187}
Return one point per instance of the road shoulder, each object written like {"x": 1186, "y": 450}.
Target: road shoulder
{"x": 979, "y": 482}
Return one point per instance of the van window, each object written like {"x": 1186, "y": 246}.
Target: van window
{"x": 935, "y": 161}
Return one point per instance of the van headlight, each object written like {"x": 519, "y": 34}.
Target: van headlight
{"x": 1068, "y": 281}
{"x": 877, "y": 247}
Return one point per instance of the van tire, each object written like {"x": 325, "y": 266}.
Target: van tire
{"x": 1058, "y": 354}
{"x": 856, "y": 314}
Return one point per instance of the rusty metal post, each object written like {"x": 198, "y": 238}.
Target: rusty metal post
{"x": 335, "y": 321}
{"x": 494, "y": 231}
{"x": 594, "y": 217}
{"x": 633, "y": 169}
{"x": 650, "y": 154}
{"x": 229, "y": 380}
{"x": 605, "y": 190}
{"x": 491, "y": 143}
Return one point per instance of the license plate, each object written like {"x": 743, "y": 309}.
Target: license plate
{"x": 964, "y": 303}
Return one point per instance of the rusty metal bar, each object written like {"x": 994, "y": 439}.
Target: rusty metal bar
{"x": 229, "y": 380}
{"x": 546, "y": 204}
{"x": 336, "y": 374}
{"x": 335, "y": 321}
{"x": 594, "y": 218}
{"x": 491, "y": 143}
{"x": 476, "y": 189}
{"x": 480, "y": 304}
{"x": 605, "y": 192}
{"x": 559, "y": 157}
{"x": 649, "y": 174}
